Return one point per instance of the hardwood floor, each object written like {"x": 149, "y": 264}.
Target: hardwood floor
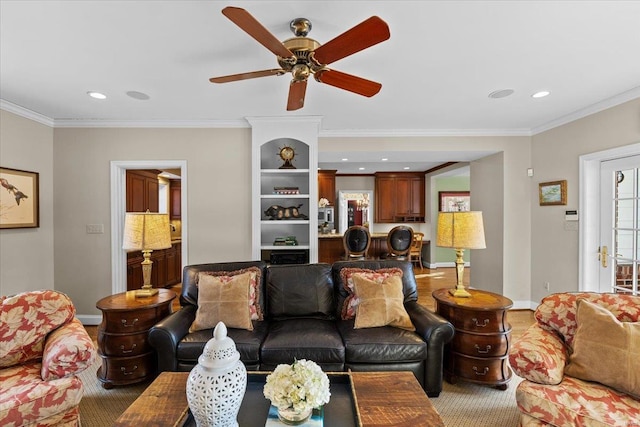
{"x": 427, "y": 281}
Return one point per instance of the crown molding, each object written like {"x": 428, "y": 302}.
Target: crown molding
{"x": 390, "y": 133}
{"x": 81, "y": 123}
{"x": 26, "y": 113}
{"x": 587, "y": 111}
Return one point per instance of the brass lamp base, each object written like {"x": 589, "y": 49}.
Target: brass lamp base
{"x": 145, "y": 292}
{"x": 459, "y": 291}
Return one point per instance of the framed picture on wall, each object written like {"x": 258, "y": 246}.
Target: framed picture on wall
{"x": 19, "y": 199}
{"x": 553, "y": 193}
{"x": 454, "y": 201}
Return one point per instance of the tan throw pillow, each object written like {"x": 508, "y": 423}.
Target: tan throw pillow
{"x": 605, "y": 350}
{"x": 381, "y": 304}
{"x": 254, "y": 290}
{"x": 223, "y": 301}
{"x": 346, "y": 275}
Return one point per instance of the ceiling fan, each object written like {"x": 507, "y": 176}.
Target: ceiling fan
{"x": 302, "y": 56}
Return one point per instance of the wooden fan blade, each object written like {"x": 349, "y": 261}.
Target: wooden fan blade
{"x": 366, "y": 34}
{"x": 251, "y": 26}
{"x": 246, "y": 76}
{"x": 348, "y": 82}
{"x": 297, "y": 90}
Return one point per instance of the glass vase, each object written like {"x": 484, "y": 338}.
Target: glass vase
{"x": 292, "y": 417}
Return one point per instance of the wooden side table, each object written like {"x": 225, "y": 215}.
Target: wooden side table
{"x": 480, "y": 347}
{"x": 127, "y": 357}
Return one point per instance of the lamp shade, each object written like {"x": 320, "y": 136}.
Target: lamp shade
{"x": 146, "y": 231}
{"x": 463, "y": 230}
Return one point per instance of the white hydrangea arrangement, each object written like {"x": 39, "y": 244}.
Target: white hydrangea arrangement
{"x": 300, "y": 386}
{"x": 323, "y": 202}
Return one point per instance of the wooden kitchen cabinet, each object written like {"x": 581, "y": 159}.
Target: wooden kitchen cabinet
{"x": 165, "y": 271}
{"x": 327, "y": 185}
{"x": 175, "y": 199}
{"x": 142, "y": 191}
{"x": 480, "y": 347}
{"x": 127, "y": 357}
{"x": 399, "y": 197}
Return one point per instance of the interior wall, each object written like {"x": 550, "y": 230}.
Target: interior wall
{"x": 487, "y": 189}
{"x": 26, "y": 255}
{"x": 555, "y": 156}
{"x": 219, "y": 198}
{"x": 516, "y": 150}
{"x": 449, "y": 183}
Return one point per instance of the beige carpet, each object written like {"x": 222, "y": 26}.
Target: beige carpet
{"x": 460, "y": 405}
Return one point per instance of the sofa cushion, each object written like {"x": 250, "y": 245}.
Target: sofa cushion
{"x": 255, "y": 278}
{"x": 557, "y": 312}
{"x": 311, "y": 339}
{"x": 223, "y": 299}
{"x": 25, "y": 319}
{"x": 539, "y": 355}
{"x": 381, "y": 345}
{"x": 381, "y": 304}
{"x": 68, "y": 351}
{"x": 574, "y": 402}
{"x": 348, "y": 310}
{"x": 247, "y": 343}
{"x": 605, "y": 350}
{"x": 25, "y": 399}
{"x": 300, "y": 291}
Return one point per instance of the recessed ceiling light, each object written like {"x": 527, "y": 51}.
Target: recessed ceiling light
{"x": 96, "y": 95}
{"x": 384, "y": 159}
{"x": 138, "y": 95}
{"x": 502, "y": 93}
{"x": 360, "y": 169}
{"x": 540, "y": 94}
{"x": 344, "y": 160}
{"x": 406, "y": 168}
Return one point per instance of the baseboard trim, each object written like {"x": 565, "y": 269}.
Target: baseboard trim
{"x": 89, "y": 319}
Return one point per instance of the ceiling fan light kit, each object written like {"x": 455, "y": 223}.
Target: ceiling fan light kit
{"x": 302, "y": 56}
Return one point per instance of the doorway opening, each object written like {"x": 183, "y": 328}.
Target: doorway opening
{"x": 118, "y": 209}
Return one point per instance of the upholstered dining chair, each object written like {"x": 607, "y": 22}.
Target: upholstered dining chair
{"x": 415, "y": 254}
{"x": 399, "y": 241}
{"x": 356, "y": 241}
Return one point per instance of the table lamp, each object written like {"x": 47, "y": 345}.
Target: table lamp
{"x": 460, "y": 230}
{"x": 146, "y": 232}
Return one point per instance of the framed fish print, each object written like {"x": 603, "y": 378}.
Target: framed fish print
{"x": 19, "y": 199}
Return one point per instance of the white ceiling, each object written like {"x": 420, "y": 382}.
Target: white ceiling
{"x": 436, "y": 70}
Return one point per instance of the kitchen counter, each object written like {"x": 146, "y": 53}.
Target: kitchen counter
{"x": 331, "y": 249}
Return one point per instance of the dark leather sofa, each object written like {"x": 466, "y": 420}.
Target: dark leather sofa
{"x": 301, "y": 306}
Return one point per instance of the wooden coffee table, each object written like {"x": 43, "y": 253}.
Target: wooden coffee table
{"x": 358, "y": 399}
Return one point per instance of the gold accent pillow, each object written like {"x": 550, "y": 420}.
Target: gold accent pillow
{"x": 605, "y": 349}
{"x": 381, "y": 304}
{"x": 221, "y": 300}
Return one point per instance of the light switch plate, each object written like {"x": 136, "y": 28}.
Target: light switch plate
{"x": 95, "y": 228}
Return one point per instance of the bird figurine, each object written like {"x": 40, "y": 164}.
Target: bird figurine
{"x": 19, "y": 195}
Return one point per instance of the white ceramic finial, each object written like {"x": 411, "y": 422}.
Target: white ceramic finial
{"x": 220, "y": 331}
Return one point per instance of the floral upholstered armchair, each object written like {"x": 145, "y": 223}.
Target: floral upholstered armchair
{"x": 42, "y": 348}
{"x": 580, "y": 362}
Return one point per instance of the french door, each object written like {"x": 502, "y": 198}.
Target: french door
{"x": 619, "y": 251}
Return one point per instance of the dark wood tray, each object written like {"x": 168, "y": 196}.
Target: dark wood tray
{"x": 339, "y": 412}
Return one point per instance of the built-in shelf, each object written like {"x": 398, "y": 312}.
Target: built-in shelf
{"x": 269, "y": 136}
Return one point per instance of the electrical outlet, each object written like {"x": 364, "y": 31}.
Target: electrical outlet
{"x": 547, "y": 286}
{"x": 95, "y": 228}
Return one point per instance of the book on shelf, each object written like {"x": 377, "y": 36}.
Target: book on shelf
{"x": 286, "y": 190}
{"x": 285, "y": 241}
